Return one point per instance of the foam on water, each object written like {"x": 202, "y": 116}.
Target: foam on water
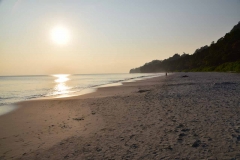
{"x": 19, "y": 88}
{"x": 7, "y": 108}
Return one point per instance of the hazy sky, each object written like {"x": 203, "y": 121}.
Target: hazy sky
{"x": 106, "y": 36}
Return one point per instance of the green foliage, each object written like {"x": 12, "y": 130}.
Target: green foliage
{"x": 222, "y": 56}
{"x": 229, "y": 67}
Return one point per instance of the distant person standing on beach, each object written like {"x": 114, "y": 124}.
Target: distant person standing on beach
{"x": 166, "y": 73}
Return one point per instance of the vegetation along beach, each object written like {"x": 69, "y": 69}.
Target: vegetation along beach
{"x": 119, "y": 80}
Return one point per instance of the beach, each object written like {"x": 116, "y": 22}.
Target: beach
{"x": 179, "y": 116}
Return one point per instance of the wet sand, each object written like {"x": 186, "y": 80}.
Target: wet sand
{"x": 173, "y": 117}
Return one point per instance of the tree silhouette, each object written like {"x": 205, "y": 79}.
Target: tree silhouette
{"x": 224, "y": 55}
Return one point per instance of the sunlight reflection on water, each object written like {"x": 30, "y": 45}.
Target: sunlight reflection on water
{"x": 20, "y": 88}
{"x": 61, "y": 87}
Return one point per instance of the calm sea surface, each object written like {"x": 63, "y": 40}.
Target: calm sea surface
{"x": 19, "y": 88}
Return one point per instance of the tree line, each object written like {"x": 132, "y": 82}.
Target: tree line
{"x": 224, "y": 55}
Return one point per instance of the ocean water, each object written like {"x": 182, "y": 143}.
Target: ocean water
{"x": 19, "y": 88}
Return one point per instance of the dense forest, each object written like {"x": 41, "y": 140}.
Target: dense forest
{"x": 223, "y": 56}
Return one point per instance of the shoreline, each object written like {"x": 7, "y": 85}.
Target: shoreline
{"x": 169, "y": 117}
{"x": 27, "y": 113}
{"x": 7, "y": 108}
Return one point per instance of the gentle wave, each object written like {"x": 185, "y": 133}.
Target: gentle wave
{"x": 20, "y": 88}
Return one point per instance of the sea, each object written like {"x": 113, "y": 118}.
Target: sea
{"x": 20, "y": 88}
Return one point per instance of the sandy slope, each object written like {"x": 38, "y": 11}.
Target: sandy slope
{"x": 196, "y": 117}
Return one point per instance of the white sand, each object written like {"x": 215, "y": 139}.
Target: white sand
{"x": 196, "y": 117}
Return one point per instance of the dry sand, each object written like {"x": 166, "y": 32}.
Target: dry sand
{"x": 173, "y": 117}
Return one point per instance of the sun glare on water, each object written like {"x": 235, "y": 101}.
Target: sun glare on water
{"x": 61, "y": 89}
{"x": 60, "y": 35}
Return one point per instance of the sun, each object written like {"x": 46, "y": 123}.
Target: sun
{"x": 60, "y": 35}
